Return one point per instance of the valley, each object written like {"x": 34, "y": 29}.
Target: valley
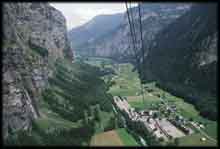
{"x": 127, "y": 85}
{"x": 141, "y": 76}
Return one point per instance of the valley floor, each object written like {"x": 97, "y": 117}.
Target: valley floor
{"x": 127, "y": 84}
{"x": 104, "y": 129}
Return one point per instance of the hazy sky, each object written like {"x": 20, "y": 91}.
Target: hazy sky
{"x": 79, "y": 13}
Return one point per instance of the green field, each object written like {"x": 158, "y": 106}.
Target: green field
{"x": 117, "y": 137}
{"x": 211, "y": 129}
{"x": 127, "y": 139}
{"x": 96, "y": 61}
{"x": 127, "y": 82}
{"x": 148, "y": 103}
{"x": 194, "y": 140}
{"x": 109, "y": 138}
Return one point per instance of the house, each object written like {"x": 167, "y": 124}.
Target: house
{"x": 201, "y": 126}
{"x": 203, "y": 139}
{"x": 150, "y": 113}
{"x": 145, "y": 112}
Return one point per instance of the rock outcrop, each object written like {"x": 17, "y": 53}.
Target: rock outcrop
{"x": 35, "y": 36}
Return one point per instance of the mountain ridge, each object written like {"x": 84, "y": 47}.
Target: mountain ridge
{"x": 94, "y": 28}
{"x": 117, "y": 41}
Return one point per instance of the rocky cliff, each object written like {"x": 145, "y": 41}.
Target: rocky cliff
{"x": 34, "y": 37}
{"x": 184, "y": 58}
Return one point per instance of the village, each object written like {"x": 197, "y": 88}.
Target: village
{"x": 153, "y": 116}
{"x": 164, "y": 128}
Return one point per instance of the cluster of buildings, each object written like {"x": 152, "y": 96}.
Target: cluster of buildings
{"x": 161, "y": 127}
{"x": 180, "y": 124}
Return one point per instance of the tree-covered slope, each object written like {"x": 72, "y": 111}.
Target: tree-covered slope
{"x": 71, "y": 107}
{"x": 184, "y": 58}
{"x": 74, "y": 88}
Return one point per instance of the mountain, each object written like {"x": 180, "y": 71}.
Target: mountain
{"x": 184, "y": 58}
{"x": 34, "y": 36}
{"x": 48, "y": 98}
{"x": 96, "y": 27}
{"x": 117, "y": 42}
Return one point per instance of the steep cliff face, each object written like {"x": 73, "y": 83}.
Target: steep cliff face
{"x": 34, "y": 35}
{"x": 117, "y": 43}
{"x": 39, "y": 24}
{"x": 184, "y": 57}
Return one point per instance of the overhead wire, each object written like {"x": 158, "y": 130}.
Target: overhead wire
{"x": 133, "y": 27}
{"x": 134, "y": 39}
{"x": 132, "y": 33}
{"x": 142, "y": 49}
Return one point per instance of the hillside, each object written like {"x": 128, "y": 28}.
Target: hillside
{"x": 184, "y": 58}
